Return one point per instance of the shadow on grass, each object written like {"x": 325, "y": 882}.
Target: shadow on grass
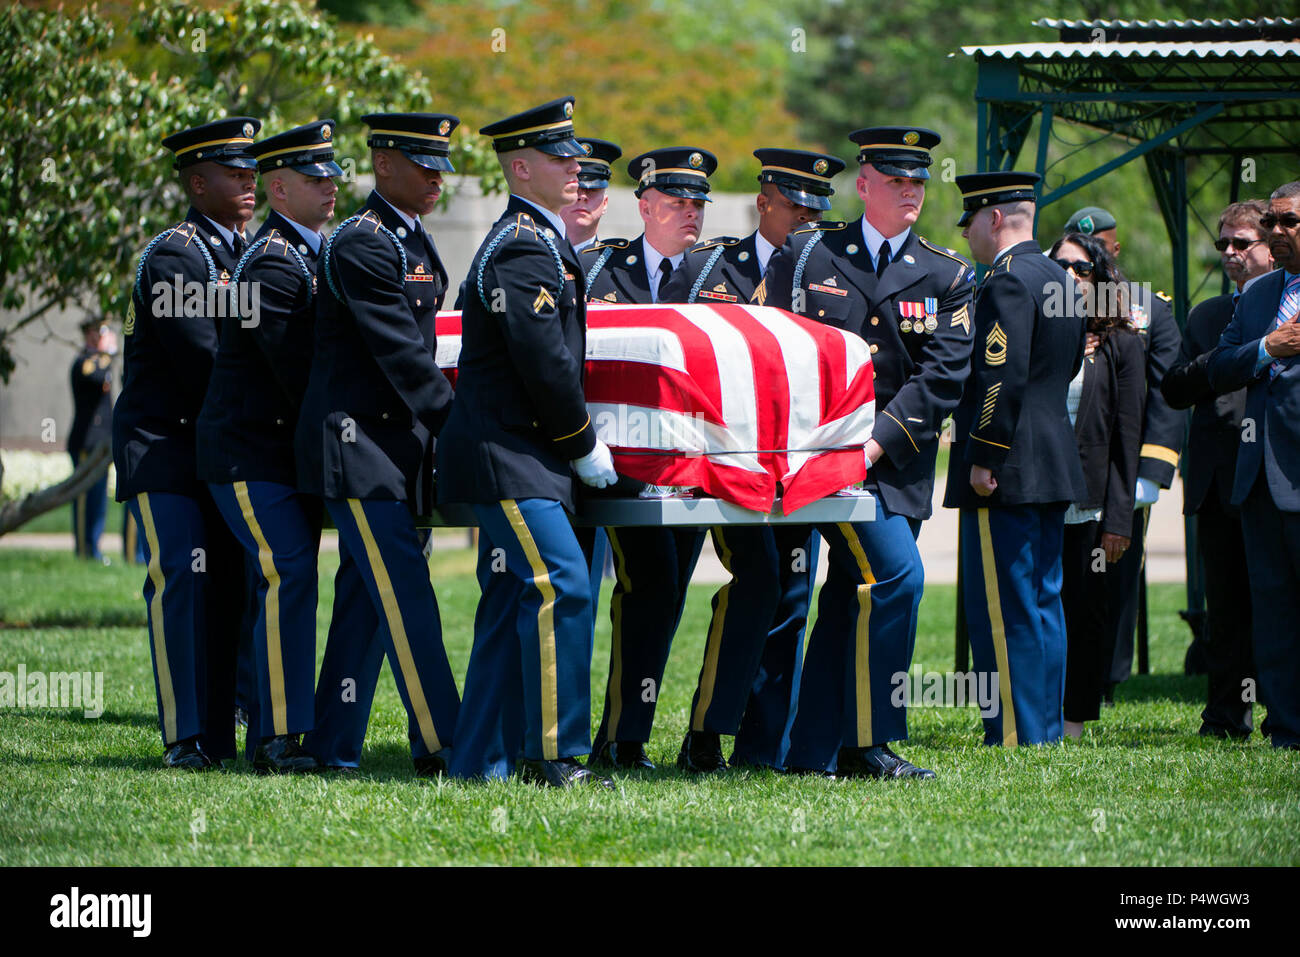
{"x": 1166, "y": 687}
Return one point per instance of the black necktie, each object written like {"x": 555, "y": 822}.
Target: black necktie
{"x": 882, "y": 259}
{"x": 237, "y": 244}
{"x": 665, "y": 272}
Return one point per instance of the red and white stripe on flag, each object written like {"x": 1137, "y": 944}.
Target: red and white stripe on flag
{"x": 731, "y": 399}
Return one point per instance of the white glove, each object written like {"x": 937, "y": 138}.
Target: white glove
{"x": 1146, "y": 494}
{"x": 596, "y": 468}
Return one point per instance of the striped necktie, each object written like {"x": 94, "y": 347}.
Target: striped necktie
{"x": 1286, "y": 312}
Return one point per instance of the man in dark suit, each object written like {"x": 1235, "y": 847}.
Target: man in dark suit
{"x": 652, "y": 566}
{"x": 1209, "y": 463}
{"x": 245, "y": 433}
{"x": 909, "y": 299}
{"x": 749, "y": 679}
{"x": 194, "y": 588}
{"x": 1162, "y": 436}
{"x": 1014, "y": 464}
{"x": 518, "y": 430}
{"x": 1257, "y": 351}
{"x": 92, "y": 425}
{"x": 375, "y": 399}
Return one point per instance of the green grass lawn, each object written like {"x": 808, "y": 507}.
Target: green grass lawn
{"x": 1141, "y": 788}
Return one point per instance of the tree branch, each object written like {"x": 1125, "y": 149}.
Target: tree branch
{"x": 20, "y": 512}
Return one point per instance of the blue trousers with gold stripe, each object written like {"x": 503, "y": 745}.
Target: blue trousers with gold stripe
{"x": 652, "y": 569}
{"x": 380, "y": 546}
{"x": 1011, "y": 592}
{"x": 194, "y": 597}
{"x": 864, "y": 635}
{"x": 743, "y": 610}
{"x": 764, "y": 734}
{"x": 349, "y": 673}
{"x": 88, "y": 512}
{"x": 528, "y": 687}
{"x": 279, "y": 529}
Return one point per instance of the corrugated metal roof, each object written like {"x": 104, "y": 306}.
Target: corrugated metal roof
{"x": 1162, "y": 24}
{"x": 1236, "y": 50}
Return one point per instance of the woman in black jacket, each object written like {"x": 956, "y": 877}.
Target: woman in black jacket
{"x": 1105, "y": 402}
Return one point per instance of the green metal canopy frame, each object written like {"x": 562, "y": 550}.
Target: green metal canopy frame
{"x": 1205, "y": 90}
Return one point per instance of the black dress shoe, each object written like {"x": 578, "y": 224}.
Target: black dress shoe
{"x": 563, "y": 773}
{"x": 877, "y": 761}
{"x": 283, "y": 754}
{"x": 431, "y": 765}
{"x": 1218, "y": 731}
{"x": 621, "y": 754}
{"x": 187, "y": 756}
{"x": 702, "y": 753}
{"x": 343, "y": 770}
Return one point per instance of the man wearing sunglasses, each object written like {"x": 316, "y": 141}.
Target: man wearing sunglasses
{"x": 1208, "y": 465}
{"x": 1258, "y": 351}
{"x": 1162, "y": 435}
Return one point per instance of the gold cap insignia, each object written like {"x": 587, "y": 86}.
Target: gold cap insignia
{"x": 326, "y": 132}
{"x": 248, "y": 130}
{"x": 568, "y": 110}
{"x": 911, "y": 137}
{"x": 586, "y": 148}
{"x": 820, "y": 167}
{"x": 696, "y": 160}
{"x": 443, "y": 127}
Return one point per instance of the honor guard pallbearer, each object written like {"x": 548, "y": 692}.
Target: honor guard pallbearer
{"x": 652, "y": 566}
{"x": 749, "y": 679}
{"x": 518, "y": 431}
{"x": 194, "y": 586}
{"x": 909, "y": 299}
{"x": 375, "y": 400}
{"x": 245, "y": 433}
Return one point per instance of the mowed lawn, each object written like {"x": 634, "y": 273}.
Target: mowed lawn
{"x": 1142, "y": 788}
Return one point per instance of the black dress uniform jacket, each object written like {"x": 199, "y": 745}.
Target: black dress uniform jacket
{"x": 245, "y": 430}
{"x": 919, "y": 368}
{"x": 520, "y": 415}
{"x": 1108, "y": 428}
{"x": 719, "y": 270}
{"x": 1211, "y": 454}
{"x": 1012, "y": 418}
{"x": 92, "y": 400}
{"x": 375, "y": 397}
{"x": 168, "y": 360}
{"x": 619, "y": 267}
{"x": 1162, "y": 427}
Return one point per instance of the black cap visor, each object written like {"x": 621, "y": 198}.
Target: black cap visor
{"x": 804, "y": 198}
{"x": 429, "y": 160}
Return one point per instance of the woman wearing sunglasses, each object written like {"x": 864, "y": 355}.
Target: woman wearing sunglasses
{"x": 1105, "y": 404}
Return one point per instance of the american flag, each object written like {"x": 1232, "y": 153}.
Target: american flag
{"x": 735, "y": 400}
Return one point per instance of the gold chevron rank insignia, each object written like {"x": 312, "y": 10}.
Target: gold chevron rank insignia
{"x": 543, "y": 299}
{"x": 962, "y": 318}
{"x": 995, "y": 346}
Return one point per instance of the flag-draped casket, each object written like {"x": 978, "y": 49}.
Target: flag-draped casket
{"x": 730, "y": 399}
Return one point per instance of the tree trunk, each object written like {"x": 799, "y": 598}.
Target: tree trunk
{"x": 18, "y": 513}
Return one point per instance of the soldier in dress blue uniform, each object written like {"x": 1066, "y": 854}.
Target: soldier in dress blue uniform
{"x": 375, "y": 399}
{"x": 582, "y": 217}
{"x": 581, "y": 222}
{"x": 1014, "y": 464}
{"x": 245, "y": 433}
{"x": 518, "y": 431}
{"x": 755, "y": 641}
{"x": 653, "y": 566}
{"x": 92, "y": 425}
{"x": 1162, "y": 437}
{"x": 194, "y": 588}
{"x": 909, "y": 299}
